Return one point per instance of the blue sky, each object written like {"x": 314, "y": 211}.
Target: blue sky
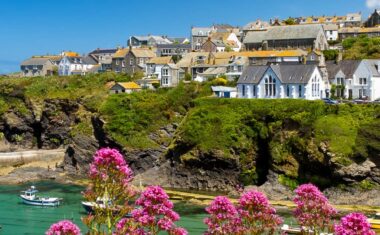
{"x": 30, "y": 27}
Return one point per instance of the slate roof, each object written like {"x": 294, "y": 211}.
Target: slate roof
{"x": 287, "y": 73}
{"x": 373, "y": 66}
{"x": 103, "y": 51}
{"x": 160, "y": 60}
{"x": 121, "y": 53}
{"x": 284, "y": 33}
{"x": 196, "y": 31}
{"x": 82, "y": 60}
{"x": 143, "y": 53}
{"x": 348, "y": 67}
{"x": 174, "y": 46}
{"x": 35, "y": 61}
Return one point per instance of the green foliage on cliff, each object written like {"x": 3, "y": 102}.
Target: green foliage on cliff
{"x": 288, "y": 134}
{"x": 130, "y": 118}
{"x": 362, "y": 47}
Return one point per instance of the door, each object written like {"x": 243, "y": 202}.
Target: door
{"x": 227, "y": 95}
{"x": 350, "y": 94}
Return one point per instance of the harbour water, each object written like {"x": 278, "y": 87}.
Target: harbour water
{"x": 19, "y": 219}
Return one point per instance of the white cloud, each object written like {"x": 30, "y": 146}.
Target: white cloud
{"x": 372, "y": 4}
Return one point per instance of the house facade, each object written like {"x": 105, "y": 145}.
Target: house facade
{"x": 287, "y": 37}
{"x": 148, "y": 41}
{"x": 154, "y": 66}
{"x": 178, "y": 50}
{"x": 357, "y": 31}
{"x": 355, "y": 79}
{"x": 199, "y": 35}
{"x": 170, "y": 75}
{"x": 37, "y": 67}
{"x": 278, "y": 81}
{"x": 104, "y": 57}
{"x": 137, "y": 58}
{"x": 77, "y": 65}
{"x": 119, "y": 60}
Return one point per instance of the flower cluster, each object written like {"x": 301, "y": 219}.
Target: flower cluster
{"x": 257, "y": 215}
{"x": 107, "y": 158}
{"x": 223, "y": 217}
{"x": 313, "y": 209}
{"x": 64, "y": 227}
{"x": 155, "y": 214}
{"x": 354, "y": 224}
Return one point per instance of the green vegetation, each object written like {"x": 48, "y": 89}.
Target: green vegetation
{"x": 294, "y": 131}
{"x": 331, "y": 54}
{"x": 362, "y": 47}
{"x": 132, "y": 117}
{"x": 290, "y": 21}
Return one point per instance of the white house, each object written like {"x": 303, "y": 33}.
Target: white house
{"x": 164, "y": 69}
{"x": 355, "y": 79}
{"x": 71, "y": 65}
{"x": 303, "y": 81}
{"x": 331, "y": 31}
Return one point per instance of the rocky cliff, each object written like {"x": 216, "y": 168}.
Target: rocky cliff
{"x": 216, "y": 144}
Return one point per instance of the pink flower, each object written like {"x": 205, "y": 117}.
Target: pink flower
{"x": 313, "y": 209}
{"x": 256, "y": 213}
{"x": 64, "y": 227}
{"x": 156, "y": 213}
{"x": 354, "y": 224}
{"x": 223, "y": 217}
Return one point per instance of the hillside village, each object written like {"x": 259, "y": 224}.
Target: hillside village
{"x": 265, "y": 59}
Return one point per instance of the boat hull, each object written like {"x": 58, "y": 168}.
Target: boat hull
{"x": 40, "y": 202}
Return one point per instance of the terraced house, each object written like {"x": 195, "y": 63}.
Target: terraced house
{"x": 298, "y": 81}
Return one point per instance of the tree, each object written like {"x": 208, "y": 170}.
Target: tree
{"x": 290, "y": 21}
{"x": 331, "y": 54}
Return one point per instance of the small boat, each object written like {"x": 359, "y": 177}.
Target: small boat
{"x": 297, "y": 230}
{"x": 29, "y": 197}
{"x": 101, "y": 203}
{"x": 375, "y": 221}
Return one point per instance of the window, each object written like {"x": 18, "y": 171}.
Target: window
{"x": 287, "y": 91}
{"x": 340, "y": 81}
{"x": 141, "y": 60}
{"x": 131, "y": 61}
{"x": 123, "y": 63}
{"x": 165, "y": 81}
{"x": 300, "y": 91}
{"x": 165, "y": 72}
{"x": 270, "y": 86}
{"x": 315, "y": 87}
{"x": 117, "y": 62}
{"x": 363, "y": 81}
{"x": 254, "y": 90}
{"x": 243, "y": 90}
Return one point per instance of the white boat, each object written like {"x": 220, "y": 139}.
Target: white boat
{"x": 297, "y": 230}
{"x": 29, "y": 197}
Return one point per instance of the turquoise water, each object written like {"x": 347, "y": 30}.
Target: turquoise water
{"x": 19, "y": 219}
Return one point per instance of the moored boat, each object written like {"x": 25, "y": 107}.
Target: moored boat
{"x": 375, "y": 221}
{"x": 298, "y": 230}
{"x": 101, "y": 203}
{"x": 29, "y": 197}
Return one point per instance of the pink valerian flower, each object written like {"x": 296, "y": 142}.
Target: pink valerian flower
{"x": 312, "y": 208}
{"x": 108, "y": 160}
{"x": 155, "y": 213}
{"x": 257, "y": 215}
{"x": 354, "y": 224}
{"x": 223, "y": 217}
{"x": 64, "y": 227}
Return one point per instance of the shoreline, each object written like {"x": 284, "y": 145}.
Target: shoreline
{"x": 200, "y": 198}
